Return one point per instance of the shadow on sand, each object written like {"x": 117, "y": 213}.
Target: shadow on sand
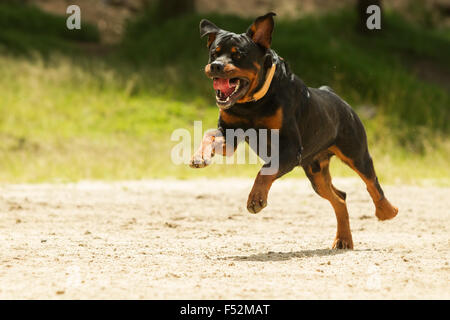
{"x": 281, "y": 256}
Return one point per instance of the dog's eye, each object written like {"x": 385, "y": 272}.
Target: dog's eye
{"x": 238, "y": 55}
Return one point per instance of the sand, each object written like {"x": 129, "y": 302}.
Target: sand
{"x": 195, "y": 240}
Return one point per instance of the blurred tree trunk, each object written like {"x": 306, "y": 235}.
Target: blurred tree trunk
{"x": 167, "y": 9}
{"x": 362, "y": 6}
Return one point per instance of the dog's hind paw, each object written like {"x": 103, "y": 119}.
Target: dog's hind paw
{"x": 342, "y": 243}
{"x": 385, "y": 210}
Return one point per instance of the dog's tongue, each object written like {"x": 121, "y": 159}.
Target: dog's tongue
{"x": 224, "y": 86}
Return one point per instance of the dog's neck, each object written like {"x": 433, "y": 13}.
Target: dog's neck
{"x": 263, "y": 101}
{"x": 266, "y": 85}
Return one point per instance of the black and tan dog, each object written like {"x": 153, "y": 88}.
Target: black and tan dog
{"x": 255, "y": 89}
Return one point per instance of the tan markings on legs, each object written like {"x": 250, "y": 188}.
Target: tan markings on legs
{"x": 221, "y": 147}
{"x": 203, "y": 156}
{"x": 257, "y": 200}
{"x": 322, "y": 185}
{"x": 384, "y": 209}
{"x": 212, "y": 143}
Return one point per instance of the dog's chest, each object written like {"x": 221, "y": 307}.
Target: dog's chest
{"x": 274, "y": 121}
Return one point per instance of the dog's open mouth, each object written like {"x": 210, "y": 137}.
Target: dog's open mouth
{"x": 228, "y": 91}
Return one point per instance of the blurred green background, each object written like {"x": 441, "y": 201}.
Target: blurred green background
{"x": 102, "y": 102}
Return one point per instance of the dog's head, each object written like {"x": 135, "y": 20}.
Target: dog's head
{"x": 238, "y": 62}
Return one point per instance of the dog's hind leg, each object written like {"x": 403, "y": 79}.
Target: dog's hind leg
{"x": 363, "y": 165}
{"x": 319, "y": 174}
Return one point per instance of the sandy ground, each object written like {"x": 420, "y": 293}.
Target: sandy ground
{"x": 195, "y": 240}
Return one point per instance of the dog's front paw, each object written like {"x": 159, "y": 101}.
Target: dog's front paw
{"x": 199, "y": 161}
{"x": 256, "y": 202}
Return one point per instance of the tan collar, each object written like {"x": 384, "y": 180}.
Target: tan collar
{"x": 265, "y": 87}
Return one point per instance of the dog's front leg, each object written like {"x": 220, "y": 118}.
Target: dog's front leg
{"x": 257, "y": 200}
{"x": 289, "y": 157}
{"x": 213, "y": 142}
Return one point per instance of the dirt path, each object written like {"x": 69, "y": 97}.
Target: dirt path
{"x": 195, "y": 239}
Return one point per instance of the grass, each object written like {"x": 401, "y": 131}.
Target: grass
{"x": 24, "y": 27}
{"x": 66, "y": 115}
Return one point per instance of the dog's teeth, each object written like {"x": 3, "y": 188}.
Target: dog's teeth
{"x": 237, "y": 87}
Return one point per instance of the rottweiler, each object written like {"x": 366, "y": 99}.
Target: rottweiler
{"x": 255, "y": 89}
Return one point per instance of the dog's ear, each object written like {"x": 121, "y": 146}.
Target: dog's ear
{"x": 261, "y": 30}
{"x": 210, "y": 29}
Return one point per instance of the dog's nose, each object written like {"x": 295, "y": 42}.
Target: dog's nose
{"x": 217, "y": 66}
